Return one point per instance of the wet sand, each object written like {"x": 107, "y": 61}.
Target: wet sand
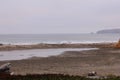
{"x": 105, "y": 61}
{"x": 9, "y": 47}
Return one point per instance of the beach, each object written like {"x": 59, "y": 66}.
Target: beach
{"x": 62, "y": 39}
{"x": 10, "y": 47}
{"x": 104, "y": 60}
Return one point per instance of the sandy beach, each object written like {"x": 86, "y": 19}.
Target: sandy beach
{"x": 105, "y": 60}
{"x": 9, "y": 47}
{"x": 71, "y": 37}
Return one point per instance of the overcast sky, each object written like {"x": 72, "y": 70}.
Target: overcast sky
{"x": 58, "y": 16}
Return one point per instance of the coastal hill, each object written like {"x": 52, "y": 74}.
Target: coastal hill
{"x": 109, "y": 31}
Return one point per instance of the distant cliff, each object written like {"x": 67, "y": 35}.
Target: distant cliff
{"x": 109, "y": 31}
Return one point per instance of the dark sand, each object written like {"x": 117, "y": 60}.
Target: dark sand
{"x": 105, "y": 61}
{"x": 47, "y": 46}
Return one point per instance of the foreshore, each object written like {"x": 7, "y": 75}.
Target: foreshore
{"x": 8, "y": 47}
{"x": 105, "y": 60}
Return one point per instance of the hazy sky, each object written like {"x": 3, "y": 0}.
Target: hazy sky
{"x": 58, "y": 16}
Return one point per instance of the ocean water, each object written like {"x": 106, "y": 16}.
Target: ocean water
{"x": 57, "y": 38}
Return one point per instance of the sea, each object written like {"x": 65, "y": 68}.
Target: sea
{"x": 28, "y": 39}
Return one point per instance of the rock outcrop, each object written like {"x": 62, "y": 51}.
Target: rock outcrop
{"x": 109, "y": 31}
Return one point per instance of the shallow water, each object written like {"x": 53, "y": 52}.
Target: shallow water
{"x": 24, "y": 54}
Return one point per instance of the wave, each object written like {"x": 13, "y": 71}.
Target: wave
{"x": 61, "y": 42}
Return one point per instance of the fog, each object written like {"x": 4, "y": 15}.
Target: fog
{"x": 58, "y": 16}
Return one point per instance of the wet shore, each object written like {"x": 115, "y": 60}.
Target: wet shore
{"x": 105, "y": 61}
{"x": 8, "y": 47}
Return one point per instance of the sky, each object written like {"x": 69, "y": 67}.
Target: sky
{"x": 58, "y": 16}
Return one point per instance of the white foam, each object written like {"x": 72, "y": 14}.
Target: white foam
{"x": 61, "y": 42}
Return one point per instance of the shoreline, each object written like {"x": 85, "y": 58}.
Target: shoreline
{"x": 105, "y": 60}
{"x": 9, "y": 47}
{"x": 26, "y": 54}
